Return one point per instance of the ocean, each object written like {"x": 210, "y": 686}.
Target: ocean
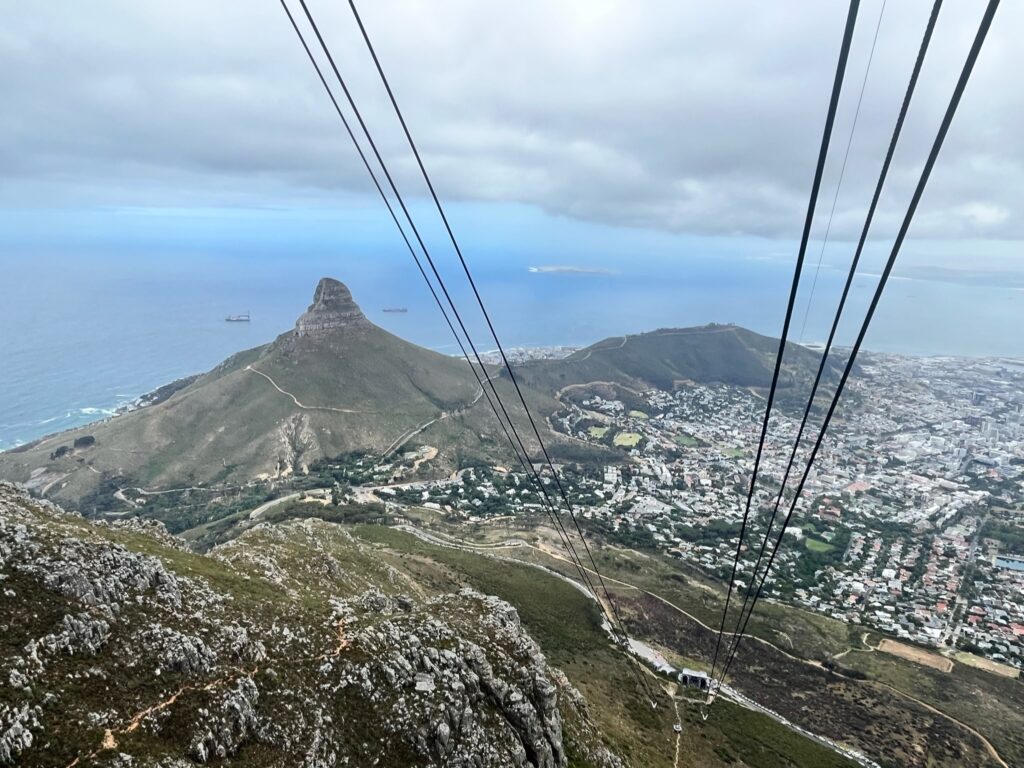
{"x": 85, "y": 334}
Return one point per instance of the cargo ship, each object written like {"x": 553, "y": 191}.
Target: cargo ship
{"x": 237, "y": 318}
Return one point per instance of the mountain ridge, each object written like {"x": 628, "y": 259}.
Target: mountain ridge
{"x": 333, "y": 383}
{"x": 336, "y": 384}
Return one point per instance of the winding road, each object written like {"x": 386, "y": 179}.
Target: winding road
{"x": 458, "y": 543}
{"x": 401, "y": 439}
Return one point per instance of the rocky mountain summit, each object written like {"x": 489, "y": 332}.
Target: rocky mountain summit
{"x": 293, "y": 645}
{"x": 333, "y": 307}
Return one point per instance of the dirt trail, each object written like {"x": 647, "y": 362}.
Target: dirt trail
{"x": 684, "y": 332}
{"x": 110, "y": 742}
{"x": 342, "y": 643}
{"x": 296, "y": 400}
{"x": 136, "y": 721}
{"x": 863, "y": 641}
{"x": 599, "y": 349}
{"x": 402, "y": 439}
{"x": 429, "y": 455}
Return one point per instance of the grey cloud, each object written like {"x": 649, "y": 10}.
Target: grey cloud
{"x": 692, "y": 117}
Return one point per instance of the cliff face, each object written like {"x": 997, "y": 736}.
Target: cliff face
{"x": 293, "y": 645}
{"x": 332, "y": 308}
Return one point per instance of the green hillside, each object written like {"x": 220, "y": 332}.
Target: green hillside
{"x": 664, "y": 358}
{"x": 336, "y": 383}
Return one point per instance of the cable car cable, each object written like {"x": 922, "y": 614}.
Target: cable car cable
{"x": 486, "y": 315}
{"x": 563, "y": 534}
{"x": 940, "y": 137}
{"x": 837, "y": 85}
{"x": 897, "y": 130}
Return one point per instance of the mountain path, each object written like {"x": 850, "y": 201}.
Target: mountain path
{"x": 599, "y": 349}
{"x": 110, "y": 742}
{"x": 406, "y": 436}
{"x": 625, "y": 338}
{"x": 866, "y": 649}
{"x": 399, "y": 441}
{"x": 296, "y": 400}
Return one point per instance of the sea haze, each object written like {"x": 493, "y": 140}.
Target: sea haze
{"x": 83, "y": 335}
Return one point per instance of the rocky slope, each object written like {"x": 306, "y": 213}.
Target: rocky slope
{"x": 293, "y": 645}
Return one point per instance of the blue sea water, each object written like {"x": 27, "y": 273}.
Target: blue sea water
{"x": 83, "y": 331}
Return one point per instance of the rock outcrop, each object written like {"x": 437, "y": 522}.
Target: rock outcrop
{"x": 486, "y": 701}
{"x": 291, "y": 645}
{"x": 232, "y": 720}
{"x": 333, "y": 307}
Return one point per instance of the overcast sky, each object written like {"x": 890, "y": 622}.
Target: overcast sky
{"x": 698, "y": 118}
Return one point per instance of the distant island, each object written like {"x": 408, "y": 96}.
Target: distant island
{"x": 570, "y": 270}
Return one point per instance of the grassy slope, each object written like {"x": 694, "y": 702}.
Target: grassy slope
{"x": 227, "y": 426}
{"x": 992, "y": 704}
{"x": 475, "y": 434}
{"x": 231, "y": 423}
{"x": 661, "y": 358}
{"x": 972, "y": 696}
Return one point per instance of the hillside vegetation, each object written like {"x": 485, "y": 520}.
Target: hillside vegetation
{"x": 336, "y": 383}
{"x": 294, "y": 645}
{"x": 668, "y": 357}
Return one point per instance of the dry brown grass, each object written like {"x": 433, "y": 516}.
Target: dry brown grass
{"x": 916, "y": 655}
{"x": 979, "y": 662}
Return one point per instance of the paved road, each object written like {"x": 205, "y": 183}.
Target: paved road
{"x": 272, "y": 503}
